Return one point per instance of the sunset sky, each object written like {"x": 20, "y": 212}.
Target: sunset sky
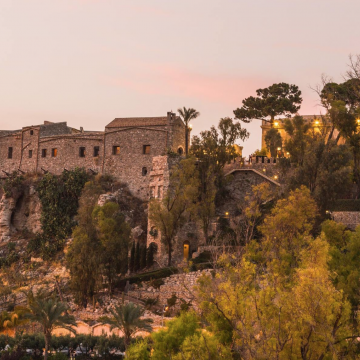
{"x": 89, "y": 61}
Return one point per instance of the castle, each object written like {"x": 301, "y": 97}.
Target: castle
{"x": 138, "y": 152}
{"x": 124, "y": 150}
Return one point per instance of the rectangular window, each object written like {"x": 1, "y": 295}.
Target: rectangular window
{"x": 31, "y": 132}
{"x": 116, "y": 150}
{"x": 82, "y": 152}
{"x": 10, "y": 152}
{"x": 96, "y": 151}
{"x": 54, "y": 152}
{"x": 30, "y": 153}
{"x": 43, "y": 153}
{"x": 146, "y": 149}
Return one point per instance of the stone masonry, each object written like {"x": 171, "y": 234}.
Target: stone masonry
{"x": 125, "y": 149}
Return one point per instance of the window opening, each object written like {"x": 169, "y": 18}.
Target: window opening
{"x": 30, "y": 153}
{"x": 54, "y": 152}
{"x": 116, "y": 150}
{"x": 96, "y": 151}
{"x": 180, "y": 150}
{"x": 144, "y": 171}
{"x": 43, "y": 153}
{"x": 82, "y": 151}
{"x": 146, "y": 149}
{"x": 31, "y": 132}
{"x": 10, "y": 152}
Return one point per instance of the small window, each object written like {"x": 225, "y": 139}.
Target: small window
{"x": 180, "y": 150}
{"x": 43, "y": 153}
{"x": 146, "y": 149}
{"x": 116, "y": 150}
{"x": 31, "y": 132}
{"x": 96, "y": 151}
{"x": 144, "y": 171}
{"x": 82, "y": 152}
{"x": 54, "y": 152}
{"x": 10, "y": 152}
{"x": 159, "y": 192}
{"x": 30, "y": 153}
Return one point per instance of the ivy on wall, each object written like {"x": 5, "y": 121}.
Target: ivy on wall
{"x": 59, "y": 197}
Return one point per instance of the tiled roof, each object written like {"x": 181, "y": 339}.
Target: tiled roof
{"x": 144, "y": 121}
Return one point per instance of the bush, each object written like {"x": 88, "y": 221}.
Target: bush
{"x": 157, "y": 274}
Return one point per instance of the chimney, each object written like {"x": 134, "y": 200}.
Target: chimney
{"x": 81, "y": 129}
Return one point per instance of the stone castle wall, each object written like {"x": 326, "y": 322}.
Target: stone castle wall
{"x": 53, "y": 147}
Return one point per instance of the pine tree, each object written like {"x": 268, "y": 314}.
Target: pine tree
{"x": 150, "y": 255}
{"x": 143, "y": 257}
{"x": 137, "y": 257}
{"x": 132, "y": 258}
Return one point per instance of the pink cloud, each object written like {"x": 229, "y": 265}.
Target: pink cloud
{"x": 166, "y": 79}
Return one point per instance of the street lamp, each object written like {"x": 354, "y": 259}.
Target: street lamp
{"x": 165, "y": 308}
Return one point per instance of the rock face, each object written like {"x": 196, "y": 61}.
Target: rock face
{"x": 19, "y": 214}
{"x": 7, "y": 206}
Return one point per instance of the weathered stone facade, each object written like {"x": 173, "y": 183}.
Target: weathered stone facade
{"x": 350, "y": 219}
{"x": 125, "y": 149}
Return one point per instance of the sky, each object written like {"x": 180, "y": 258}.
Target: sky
{"x": 89, "y": 61}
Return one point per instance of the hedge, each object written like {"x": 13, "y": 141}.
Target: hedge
{"x": 345, "y": 205}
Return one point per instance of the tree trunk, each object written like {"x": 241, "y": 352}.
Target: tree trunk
{"x": 47, "y": 344}
{"x": 169, "y": 255}
{"x": 59, "y": 290}
{"x": 186, "y": 139}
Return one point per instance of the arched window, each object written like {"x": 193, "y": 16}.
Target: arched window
{"x": 180, "y": 150}
{"x": 144, "y": 171}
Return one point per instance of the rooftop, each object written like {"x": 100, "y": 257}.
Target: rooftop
{"x": 138, "y": 121}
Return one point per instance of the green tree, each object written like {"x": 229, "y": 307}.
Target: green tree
{"x": 277, "y": 99}
{"x": 187, "y": 115}
{"x": 143, "y": 257}
{"x": 50, "y": 314}
{"x": 169, "y": 213}
{"x": 114, "y": 234}
{"x": 137, "y": 257}
{"x": 273, "y": 141}
{"x": 128, "y": 319}
{"x": 82, "y": 259}
{"x": 296, "y": 144}
{"x": 132, "y": 258}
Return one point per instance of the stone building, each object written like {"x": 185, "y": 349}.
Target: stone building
{"x": 317, "y": 123}
{"x": 125, "y": 149}
{"x": 190, "y": 238}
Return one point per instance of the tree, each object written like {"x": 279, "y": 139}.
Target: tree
{"x": 128, "y": 319}
{"x": 277, "y": 99}
{"x": 273, "y": 141}
{"x": 143, "y": 257}
{"x": 252, "y": 213}
{"x": 169, "y": 213}
{"x": 83, "y": 258}
{"x": 114, "y": 235}
{"x": 50, "y": 314}
{"x": 325, "y": 170}
{"x": 295, "y": 145}
{"x": 132, "y": 258}
{"x": 137, "y": 257}
{"x": 215, "y": 148}
{"x": 187, "y": 115}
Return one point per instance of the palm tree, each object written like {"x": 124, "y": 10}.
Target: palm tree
{"x": 13, "y": 319}
{"x": 127, "y": 318}
{"x": 187, "y": 115}
{"x": 50, "y": 314}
